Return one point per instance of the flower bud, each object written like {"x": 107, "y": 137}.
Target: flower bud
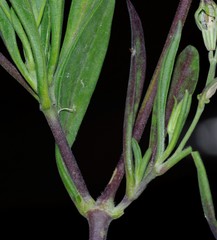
{"x": 208, "y": 92}
{"x": 206, "y": 20}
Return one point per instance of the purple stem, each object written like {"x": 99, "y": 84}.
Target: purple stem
{"x": 66, "y": 153}
{"x": 146, "y": 107}
{"x": 11, "y": 69}
{"x": 99, "y": 222}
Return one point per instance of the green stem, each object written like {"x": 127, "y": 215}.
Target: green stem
{"x": 212, "y": 67}
{"x": 201, "y": 103}
{"x": 127, "y": 200}
{"x": 197, "y": 116}
{"x": 164, "y": 167}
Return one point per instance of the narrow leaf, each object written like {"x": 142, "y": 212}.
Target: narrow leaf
{"x": 163, "y": 87}
{"x": 140, "y": 162}
{"x": 135, "y": 86}
{"x": 144, "y": 164}
{"x": 38, "y": 7}
{"x": 6, "y": 9}
{"x": 45, "y": 32}
{"x": 9, "y": 37}
{"x": 137, "y": 155}
{"x": 138, "y": 57}
{"x": 68, "y": 183}
{"x": 24, "y": 11}
{"x": 205, "y": 193}
{"x": 57, "y": 12}
{"x": 30, "y": 64}
{"x": 178, "y": 124}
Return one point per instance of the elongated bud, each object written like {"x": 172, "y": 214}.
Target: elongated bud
{"x": 206, "y": 20}
{"x": 178, "y": 116}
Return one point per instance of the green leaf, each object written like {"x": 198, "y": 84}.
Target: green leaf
{"x": 84, "y": 50}
{"x": 57, "y": 13}
{"x": 81, "y": 203}
{"x": 185, "y": 77}
{"x": 9, "y": 37}
{"x": 38, "y": 7}
{"x": 141, "y": 163}
{"x": 45, "y": 32}
{"x": 24, "y": 12}
{"x": 81, "y": 11}
{"x": 176, "y": 123}
{"x": 163, "y": 87}
{"x": 30, "y": 64}
{"x": 79, "y": 70}
{"x": 137, "y": 155}
{"x": 205, "y": 193}
{"x": 6, "y": 9}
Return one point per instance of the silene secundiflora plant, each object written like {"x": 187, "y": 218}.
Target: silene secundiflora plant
{"x": 60, "y": 69}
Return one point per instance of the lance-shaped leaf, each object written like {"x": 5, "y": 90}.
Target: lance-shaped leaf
{"x": 163, "y": 87}
{"x": 25, "y": 14}
{"x": 176, "y": 123}
{"x": 9, "y": 37}
{"x": 56, "y": 15}
{"x": 185, "y": 77}
{"x": 134, "y": 90}
{"x": 38, "y": 9}
{"x": 205, "y": 193}
{"x": 79, "y": 71}
{"x": 29, "y": 60}
{"x": 45, "y": 31}
{"x": 77, "y": 78}
{"x": 6, "y": 9}
{"x": 81, "y": 11}
{"x": 141, "y": 162}
{"x": 82, "y": 202}
{"x": 138, "y": 58}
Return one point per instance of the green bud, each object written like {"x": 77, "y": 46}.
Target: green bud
{"x": 178, "y": 117}
{"x": 208, "y": 92}
{"x": 206, "y": 20}
{"x": 174, "y": 118}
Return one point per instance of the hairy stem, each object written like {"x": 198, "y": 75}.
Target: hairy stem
{"x": 99, "y": 222}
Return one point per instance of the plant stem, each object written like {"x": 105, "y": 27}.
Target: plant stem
{"x": 126, "y": 201}
{"x": 212, "y": 67}
{"x": 66, "y": 153}
{"x": 99, "y": 222}
{"x": 145, "y": 110}
{"x": 197, "y": 116}
{"x": 11, "y": 69}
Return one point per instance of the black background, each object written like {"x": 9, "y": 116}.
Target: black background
{"x": 33, "y": 199}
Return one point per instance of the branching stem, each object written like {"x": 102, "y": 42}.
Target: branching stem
{"x": 147, "y": 104}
